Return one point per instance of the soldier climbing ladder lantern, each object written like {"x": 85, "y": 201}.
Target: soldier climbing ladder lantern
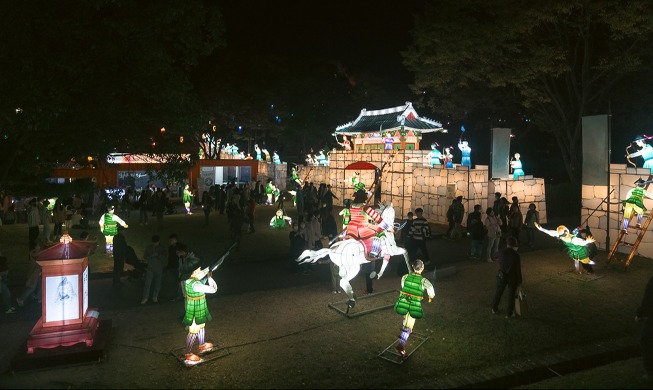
{"x": 633, "y": 206}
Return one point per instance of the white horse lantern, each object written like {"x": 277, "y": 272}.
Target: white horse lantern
{"x": 349, "y": 254}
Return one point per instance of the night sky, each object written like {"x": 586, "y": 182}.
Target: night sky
{"x": 359, "y": 37}
{"x": 355, "y": 36}
{"x": 363, "y": 32}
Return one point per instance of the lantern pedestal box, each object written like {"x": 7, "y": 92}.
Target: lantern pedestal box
{"x": 66, "y": 319}
{"x": 64, "y": 335}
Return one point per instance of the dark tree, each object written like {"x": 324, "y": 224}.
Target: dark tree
{"x": 558, "y": 60}
{"x": 95, "y": 75}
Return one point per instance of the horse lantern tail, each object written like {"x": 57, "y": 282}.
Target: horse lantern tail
{"x": 311, "y": 256}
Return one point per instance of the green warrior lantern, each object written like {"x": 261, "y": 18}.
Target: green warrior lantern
{"x": 409, "y": 303}
{"x": 197, "y": 313}
{"x": 109, "y": 227}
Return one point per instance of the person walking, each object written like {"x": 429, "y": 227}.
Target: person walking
{"x": 46, "y": 221}
{"x": 504, "y": 212}
{"x": 59, "y": 216}
{"x": 405, "y": 230}
{"x": 450, "y": 220}
{"x": 297, "y": 243}
{"x": 497, "y": 203}
{"x": 120, "y": 249}
{"x": 458, "y": 215}
{"x": 160, "y": 203}
{"x": 156, "y": 257}
{"x": 477, "y": 232}
{"x": 33, "y": 282}
{"x": 509, "y": 275}
{"x": 420, "y": 231}
{"x": 33, "y": 222}
{"x": 235, "y": 218}
{"x": 645, "y": 316}
{"x": 172, "y": 269}
{"x": 143, "y": 201}
{"x": 327, "y": 198}
{"x": 515, "y": 219}
{"x": 187, "y": 263}
{"x": 532, "y": 219}
{"x": 207, "y": 204}
{"x": 493, "y": 228}
{"x": 4, "y": 289}
{"x": 251, "y": 210}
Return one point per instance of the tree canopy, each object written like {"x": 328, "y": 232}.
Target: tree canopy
{"x": 554, "y": 61}
{"x": 82, "y": 77}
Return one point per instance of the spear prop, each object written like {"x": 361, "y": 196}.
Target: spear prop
{"x": 219, "y": 262}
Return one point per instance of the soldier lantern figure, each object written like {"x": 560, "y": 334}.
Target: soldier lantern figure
{"x": 409, "y": 303}
{"x": 634, "y": 204}
{"x": 109, "y": 227}
{"x": 197, "y": 313}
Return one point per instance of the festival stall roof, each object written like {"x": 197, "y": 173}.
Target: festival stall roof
{"x": 390, "y": 119}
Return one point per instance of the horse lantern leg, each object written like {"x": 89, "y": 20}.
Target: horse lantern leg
{"x": 349, "y": 257}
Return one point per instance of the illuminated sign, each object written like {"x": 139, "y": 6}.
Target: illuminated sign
{"x": 127, "y": 158}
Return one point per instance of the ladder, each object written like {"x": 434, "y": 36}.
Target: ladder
{"x": 386, "y": 164}
{"x": 621, "y": 238}
{"x": 308, "y": 174}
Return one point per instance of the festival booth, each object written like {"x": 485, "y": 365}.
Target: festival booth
{"x": 66, "y": 318}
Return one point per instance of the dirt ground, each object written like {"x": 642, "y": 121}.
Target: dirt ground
{"x": 280, "y": 332}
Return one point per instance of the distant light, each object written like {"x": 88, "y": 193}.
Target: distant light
{"x": 19, "y": 110}
{"x": 163, "y": 130}
{"x": 181, "y": 139}
{"x": 240, "y": 128}
{"x": 271, "y": 106}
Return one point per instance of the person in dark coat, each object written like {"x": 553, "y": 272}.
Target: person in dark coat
{"x": 119, "y": 255}
{"x": 477, "y": 232}
{"x": 509, "y": 274}
{"x": 645, "y": 316}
